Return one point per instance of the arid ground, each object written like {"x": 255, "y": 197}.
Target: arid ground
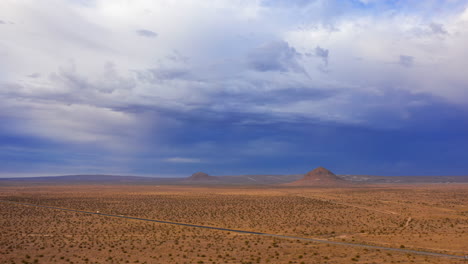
{"x": 432, "y": 218}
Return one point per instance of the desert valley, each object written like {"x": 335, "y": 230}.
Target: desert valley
{"x": 79, "y": 219}
{"x": 233, "y": 131}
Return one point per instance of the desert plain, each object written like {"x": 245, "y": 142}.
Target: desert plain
{"x": 421, "y": 217}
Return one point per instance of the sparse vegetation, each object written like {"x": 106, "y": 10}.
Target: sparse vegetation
{"x": 429, "y": 218}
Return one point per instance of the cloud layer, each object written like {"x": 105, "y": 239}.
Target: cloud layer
{"x": 154, "y": 82}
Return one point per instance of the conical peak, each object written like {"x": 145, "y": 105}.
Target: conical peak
{"x": 320, "y": 171}
{"x": 319, "y": 177}
{"x": 321, "y": 174}
{"x": 201, "y": 176}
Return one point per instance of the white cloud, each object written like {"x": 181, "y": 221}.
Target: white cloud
{"x": 88, "y": 63}
{"x": 366, "y": 51}
{"x": 182, "y": 160}
{"x": 76, "y": 124}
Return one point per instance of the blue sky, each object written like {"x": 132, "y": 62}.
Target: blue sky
{"x": 167, "y": 88}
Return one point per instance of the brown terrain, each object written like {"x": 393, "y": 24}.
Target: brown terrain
{"x": 421, "y": 217}
{"x": 234, "y": 180}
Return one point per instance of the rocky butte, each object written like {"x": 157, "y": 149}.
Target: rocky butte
{"x": 319, "y": 177}
{"x": 201, "y": 176}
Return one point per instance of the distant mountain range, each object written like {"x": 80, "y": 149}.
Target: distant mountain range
{"x": 317, "y": 177}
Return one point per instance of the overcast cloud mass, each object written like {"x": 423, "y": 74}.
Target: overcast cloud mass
{"x": 168, "y": 88}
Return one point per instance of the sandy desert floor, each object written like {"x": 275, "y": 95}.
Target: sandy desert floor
{"x": 431, "y": 218}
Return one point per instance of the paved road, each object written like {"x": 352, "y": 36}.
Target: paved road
{"x": 248, "y": 232}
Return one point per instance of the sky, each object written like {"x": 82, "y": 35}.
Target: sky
{"x": 167, "y": 88}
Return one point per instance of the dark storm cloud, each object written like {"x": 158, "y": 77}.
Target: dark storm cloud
{"x": 284, "y": 146}
{"x": 406, "y": 61}
{"x": 282, "y": 96}
{"x": 274, "y": 56}
{"x": 146, "y": 33}
{"x": 438, "y": 29}
{"x": 108, "y": 82}
{"x": 176, "y": 56}
{"x": 322, "y": 53}
{"x": 162, "y": 74}
{"x": 201, "y": 92}
{"x": 245, "y": 138}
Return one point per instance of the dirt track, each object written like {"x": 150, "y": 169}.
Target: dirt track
{"x": 249, "y": 232}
